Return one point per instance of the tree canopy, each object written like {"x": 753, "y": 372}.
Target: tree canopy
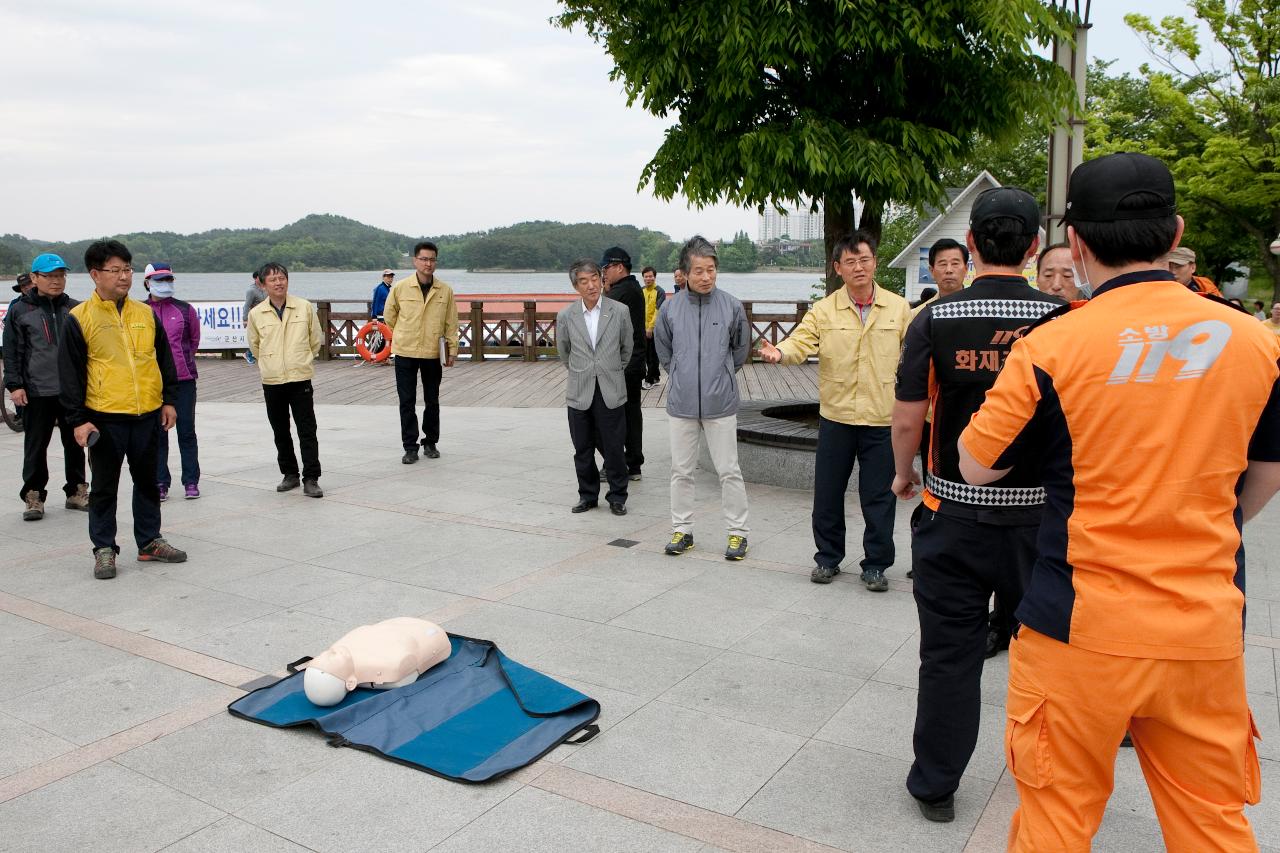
{"x": 781, "y": 100}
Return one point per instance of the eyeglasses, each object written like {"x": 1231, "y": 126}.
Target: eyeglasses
{"x": 60, "y": 274}
{"x": 858, "y": 263}
{"x": 118, "y": 271}
{"x": 425, "y": 260}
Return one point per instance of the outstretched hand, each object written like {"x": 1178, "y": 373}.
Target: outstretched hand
{"x": 769, "y": 353}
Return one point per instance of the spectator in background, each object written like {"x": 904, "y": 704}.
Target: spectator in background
{"x": 424, "y": 322}
{"x": 703, "y": 339}
{"x": 948, "y": 266}
{"x": 680, "y": 281}
{"x": 182, "y": 326}
{"x": 380, "y": 291}
{"x": 621, "y": 286}
{"x": 285, "y": 335}
{"x": 23, "y": 283}
{"x": 118, "y": 388}
{"x": 927, "y": 295}
{"x": 595, "y": 341}
{"x": 1259, "y": 309}
{"x": 1056, "y": 273}
{"x": 1273, "y": 322}
{"x": 33, "y": 328}
{"x": 252, "y": 297}
{"x": 653, "y": 299}
{"x": 1182, "y": 263}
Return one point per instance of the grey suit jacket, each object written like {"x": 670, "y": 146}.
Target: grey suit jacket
{"x": 603, "y": 363}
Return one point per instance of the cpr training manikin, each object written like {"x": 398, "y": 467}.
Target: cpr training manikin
{"x": 388, "y": 654}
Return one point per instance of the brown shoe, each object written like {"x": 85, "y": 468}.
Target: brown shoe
{"x": 35, "y": 507}
{"x": 104, "y": 563}
{"x": 160, "y": 551}
{"x": 80, "y": 500}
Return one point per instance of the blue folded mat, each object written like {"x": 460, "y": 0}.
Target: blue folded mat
{"x": 472, "y": 718}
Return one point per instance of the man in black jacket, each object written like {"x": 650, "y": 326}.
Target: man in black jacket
{"x": 33, "y": 328}
{"x": 621, "y": 286}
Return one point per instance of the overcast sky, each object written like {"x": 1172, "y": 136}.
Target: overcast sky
{"x": 424, "y": 117}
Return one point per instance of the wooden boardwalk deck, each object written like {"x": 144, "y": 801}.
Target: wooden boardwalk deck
{"x": 508, "y": 383}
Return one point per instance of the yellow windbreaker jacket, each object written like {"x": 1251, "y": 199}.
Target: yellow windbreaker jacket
{"x": 286, "y": 347}
{"x": 417, "y": 325}
{"x": 857, "y": 363}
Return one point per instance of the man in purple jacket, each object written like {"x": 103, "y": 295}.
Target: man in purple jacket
{"x": 182, "y": 327}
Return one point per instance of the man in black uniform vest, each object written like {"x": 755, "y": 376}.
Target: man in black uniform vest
{"x": 970, "y": 541}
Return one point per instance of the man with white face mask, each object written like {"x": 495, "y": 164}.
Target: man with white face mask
{"x": 182, "y": 327}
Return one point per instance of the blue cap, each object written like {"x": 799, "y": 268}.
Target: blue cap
{"x": 48, "y": 262}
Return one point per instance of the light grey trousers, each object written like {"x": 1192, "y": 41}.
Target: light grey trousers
{"x": 722, "y": 442}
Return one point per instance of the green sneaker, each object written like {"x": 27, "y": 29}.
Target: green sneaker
{"x": 737, "y": 548}
{"x": 680, "y": 542}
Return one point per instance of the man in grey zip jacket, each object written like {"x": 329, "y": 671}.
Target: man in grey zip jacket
{"x": 703, "y": 338}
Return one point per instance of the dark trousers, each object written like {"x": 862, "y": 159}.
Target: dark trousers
{"x": 187, "y": 447}
{"x": 602, "y": 427}
{"x": 42, "y": 413}
{"x": 295, "y": 398}
{"x": 956, "y": 565}
{"x": 839, "y": 446}
{"x": 132, "y": 439}
{"x": 651, "y": 374}
{"x": 407, "y": 372}
{"x": 634, "y": 441}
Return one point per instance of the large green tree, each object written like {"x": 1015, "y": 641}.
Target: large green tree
{"x": 778, "y": 101}
{"x": 1220, "y": 123}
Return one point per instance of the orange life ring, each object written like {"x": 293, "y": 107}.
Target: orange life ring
{"x": 384, "y": 331}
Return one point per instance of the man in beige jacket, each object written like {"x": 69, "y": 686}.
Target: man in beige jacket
{"x": 424, "y": 330}
{"x": 285, "y": 337}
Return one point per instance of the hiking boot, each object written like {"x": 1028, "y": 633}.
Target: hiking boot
{"x": 193, "y": 491}
{"x": 311, "y": 488}
{"x": 410, "y": 457}
{"x": 429, "y": 450}
{"x": 876, "y": 582}
{"x": 938, "y": 811}
{"x": 289, "y": 482}
{"x": 160, "y": 551}
{"x": 104, "y": 563}
{"x": 680, "y": 542}
{"x": 737, "y": 548}
{"x": 823, "y": 574}
{"x": 634, "y": 476}
{"x": 164, "y": 493}
{"x": 79, "y": 500}
{"x": 35, "y": 507}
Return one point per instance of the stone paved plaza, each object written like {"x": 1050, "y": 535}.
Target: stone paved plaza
{"x": 745, "y": 709}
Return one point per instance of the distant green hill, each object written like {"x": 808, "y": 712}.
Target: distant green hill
{"x": 328, "y": 242}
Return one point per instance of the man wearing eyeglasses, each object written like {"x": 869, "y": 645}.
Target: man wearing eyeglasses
{"x": 857, "y": 334}
{"x": 119, "y": 388}
{"x": 424, "y": 324}
{"x": 33, "y": 327}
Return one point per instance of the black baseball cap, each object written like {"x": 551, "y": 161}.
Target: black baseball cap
{"x": 1006, "y": 203}
{"x": 615, "y": 255}
{"x": 1099, "y": 187}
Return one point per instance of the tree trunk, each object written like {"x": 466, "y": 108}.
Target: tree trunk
{"x": 837, "y": 222}
{"x": 873, "y": 219}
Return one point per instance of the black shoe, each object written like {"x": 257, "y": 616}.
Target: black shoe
{"x": 634, "y": 476}
{"x": 583, "y": 506}
{"x": 311, "y": 488}
{"x": 823, "y": 574}
{"x": 618, "y": 509}
{"x": 410, "y": 456}
{"x": 911, "y": 573}
{"x": 997, "y": 642}
{"x": 290, "y": 481}
{"x": 875, "y": 580}
{"x": 1127, "y": 742}
{"x": 939, "y": 811}
{"x": 430, "y": 451}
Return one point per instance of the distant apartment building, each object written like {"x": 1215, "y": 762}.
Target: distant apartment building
{"x": 799, "y": 225}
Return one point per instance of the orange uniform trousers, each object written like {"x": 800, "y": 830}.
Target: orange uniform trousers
{"x": 1068, "y": 709}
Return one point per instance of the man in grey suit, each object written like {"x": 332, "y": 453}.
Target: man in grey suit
{"x": 594, "y": 337}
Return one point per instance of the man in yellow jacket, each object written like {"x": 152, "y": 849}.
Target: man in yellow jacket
{"x": 424, "y": 329}
{"x": 285, "y": 338}
{"x": 118, "y": 389}
{"x": 857, "y": 333}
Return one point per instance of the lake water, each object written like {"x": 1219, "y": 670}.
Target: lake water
{"x": 759, "y": 286}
